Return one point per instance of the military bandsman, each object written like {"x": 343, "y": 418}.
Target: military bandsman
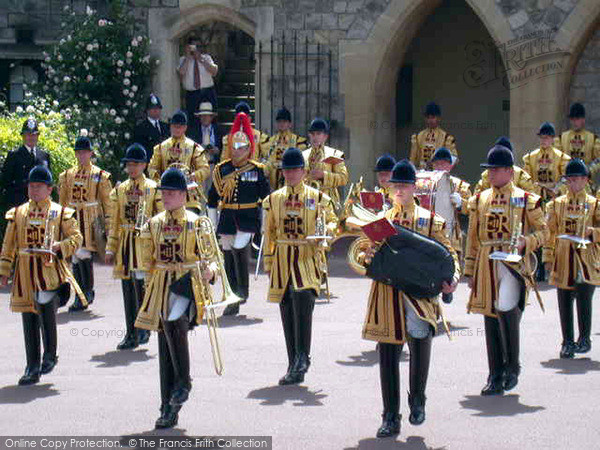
{"x": 573, "y": 266}
{"x": 295, "y": 263}
{"x": 325, "y": 166}
{"x": 499, "y": 217}
{"x": 182, "y": 152}
{"x": 280, "y": 142}
{"x": 424, "y": 143}
{"x": 39, "y": 235}
{"x": 133, "y": 203}
{"x": 383, "y": 172}
{"x": 86, "y": 188}
{"x": 577, "y": 142}
{"x": 176, "y": 290}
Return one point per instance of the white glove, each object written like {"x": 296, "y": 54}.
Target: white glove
{"x": 212, "y": 215}
{"x": 456, "y": 200}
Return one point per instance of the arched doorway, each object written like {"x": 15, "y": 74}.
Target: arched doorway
{"x": 456, "y": 64}
{"x": 233, "y": 51}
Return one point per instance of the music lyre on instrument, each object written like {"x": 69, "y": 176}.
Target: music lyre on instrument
{"x": 322, "y": 239}
{"x": 580, "y": 238}
{"x": 516, "y": 205}
{"x": 209, "y": 252}
{"x": 434, "y": 192}
{"x": 141, "y": 218}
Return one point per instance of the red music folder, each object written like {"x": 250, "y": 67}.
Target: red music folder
{"x": 379, "y": 230}
{"x": 372, "y": 200}
{"x": 333, "y": 160}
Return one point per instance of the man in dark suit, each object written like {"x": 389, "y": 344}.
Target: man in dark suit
{"x": 151, "y": 131}
{"x": 18, "y": 164}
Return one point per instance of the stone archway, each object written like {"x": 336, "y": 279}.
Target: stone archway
{"x": 374, "y": 63}
{"x": 167, "y": 27}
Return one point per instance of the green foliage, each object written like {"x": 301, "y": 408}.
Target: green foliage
{"x": 98, "y": 73}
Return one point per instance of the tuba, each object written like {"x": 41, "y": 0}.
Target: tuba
{"x": 209, "y": 252}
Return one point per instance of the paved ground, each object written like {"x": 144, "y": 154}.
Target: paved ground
{"x": 96, "y": 390}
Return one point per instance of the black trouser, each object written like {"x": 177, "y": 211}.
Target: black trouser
{"x": 83, "y": 270}
{"x": 173, "y": 357}
{"x": 296, "y": 309}
{"x": 584, "y": 293}
{"x": 389, "y": 376}
{"x": 130, "y": 302}
{"x": 43, "y": 323}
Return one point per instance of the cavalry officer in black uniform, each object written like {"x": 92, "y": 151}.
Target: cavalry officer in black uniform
{"x": 151, "y": 131}
{"x": 18, "y": 164}
{"x": 239, "y": 184}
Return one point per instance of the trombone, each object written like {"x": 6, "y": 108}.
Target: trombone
{"x": 209, "y": 252}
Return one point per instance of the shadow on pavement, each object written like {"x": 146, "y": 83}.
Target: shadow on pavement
{"x": 119, "y": 358}
{"x": 411, "y": 443}
{"x": 79, "y": 316}
{"x": 238, "y": 320}
{"x": 24, "y": 394}
{"x": 151, "y": 438}
{"x": 455, "y": 330}
{"x": 278, "y": 395}
{"x": 575, "y": 366}
{"x": 368, "y": 358}
{"x": 498, "y": 406}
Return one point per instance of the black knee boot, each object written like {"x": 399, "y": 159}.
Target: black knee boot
{"x": 49, "y": 336}
{"x": 130, "y": 303}
{"x": 138, "y": 287}
{"x": 493, "y": 342}
{"x": 229, "y": 262}
{"x": 420, "y": 356}
{"x": 177, "y": 339}
{"x": 31, "y": 333}
{"x": 88, "y": 268}
{"x": 79, "y": 274}
{"x": 389, "y": 376}
{"x": 287, "y": 319}
{"x": 241, "y": 258}
{"x": 565, "y": 310}
{"x": 510, "y": 322}
{"x": 584, "y": 294}
{"x": 303, "y": 306}
{"x": 168, "y": 414}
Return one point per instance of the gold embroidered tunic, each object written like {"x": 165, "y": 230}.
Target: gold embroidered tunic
{"x": 276, "y": 145}
{"x": 521, "y": 179}
{"x": 546, "y": 166}
{"x": 123, "y": 239}
{"x": 424, "y": 144}
{"x": 26, "y": 229}
{"x": 582, "y": 144}
{"x": 491, "y": 222}
{"x": 573, "y": 214}
{"x": 86, "y": 189}
{"x": 335, "y": 175}
{"x": 185, "y": 152}
{"x": 385, "y": 319}
{"x": 170, "y": 250}
{"x": 291, "y": 216}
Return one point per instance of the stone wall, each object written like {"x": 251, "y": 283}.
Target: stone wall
{"x": 585, "y": 85}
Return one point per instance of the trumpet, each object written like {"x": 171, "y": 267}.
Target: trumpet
{"x": 582, "y": 224}
{"x": 209, "y": 252}
{"x": 322, "y": 245}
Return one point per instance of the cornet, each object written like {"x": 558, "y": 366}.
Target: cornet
{"x": 141, "y": 218}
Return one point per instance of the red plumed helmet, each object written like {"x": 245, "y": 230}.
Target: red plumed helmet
{"x": 241, "y": 133}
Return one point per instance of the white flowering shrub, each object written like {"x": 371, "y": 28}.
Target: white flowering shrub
{"x": 99, "y": 73}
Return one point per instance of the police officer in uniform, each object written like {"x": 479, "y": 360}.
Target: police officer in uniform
{"x": 280, "y": 142}
{"x": 424, "y": 143}
{"x": 260, "y": 139}
{"x": 239, "y": 184}
{"x": 35, "y": 229}
{"x": 293, "y": 261}
{"x": 573, "y": 266}
{"x": 174, "y": 298}
{"x": 151, "y": 131}
{"x": 394, "y": 317}
{"x": 86, "y": 188}
{"x": 133, "y": 203}
{"x": 498, "y": 288}
{"x": 521, "y": 179}
{"x": 183, "y": 152}
{"x": 577, "y": 142}
{"x": 18, "y": 164}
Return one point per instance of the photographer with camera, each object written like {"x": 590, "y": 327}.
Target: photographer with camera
{"x": 196, "y": 70}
